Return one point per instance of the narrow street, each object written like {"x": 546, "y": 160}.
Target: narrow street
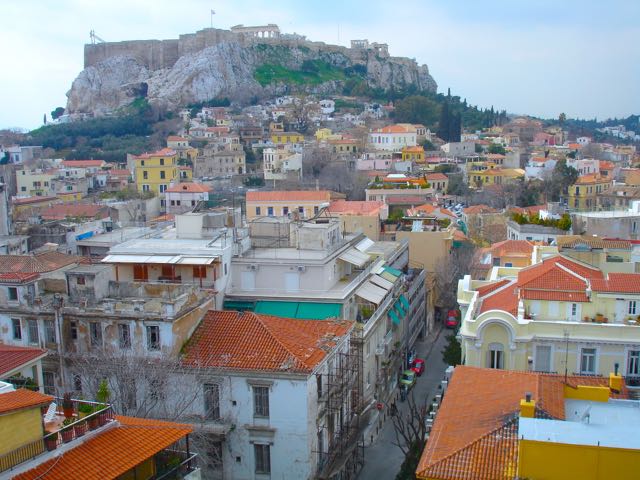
{"x": 382, "y": 459}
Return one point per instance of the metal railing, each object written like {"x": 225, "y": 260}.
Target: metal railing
{"x": 189, "y": 464}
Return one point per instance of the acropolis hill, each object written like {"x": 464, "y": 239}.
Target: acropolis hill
{"x": 238, "y": 63}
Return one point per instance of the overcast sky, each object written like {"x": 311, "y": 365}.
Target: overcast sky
{"x": 540, "y": 57}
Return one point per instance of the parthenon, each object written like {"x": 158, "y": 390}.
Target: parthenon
{"x": 262, "y": 31}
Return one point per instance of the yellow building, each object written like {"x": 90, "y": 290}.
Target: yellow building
{"x": 280, "y": 138}
{"x": 496, "y": 176}
{"x": 35, "y": 182}
{"x": 302, "y": 203}
{"x": 557, "y": 315}
{"x": 516, "y": 425}
{"x": 155, "y": 171}
{"x": 583, "y": 195}
{"x": 413, "y": 154}
{"x": 323, "y": 134}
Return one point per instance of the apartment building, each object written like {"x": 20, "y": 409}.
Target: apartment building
{"x": 221, "y": 160}
{"x": 154, "y": 171}
{"x": 280, "y": 203}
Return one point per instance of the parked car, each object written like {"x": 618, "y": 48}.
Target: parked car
{"x": 418, "y": 366}
{"x": 408, "y": 378}
{"x": 452, "y": 319}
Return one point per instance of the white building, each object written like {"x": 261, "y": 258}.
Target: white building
{"x": 183, "y": 197}
{"x": 279, "y": 163}
{"x": 278, "y": 393}
{"x": 539, "y": 167}
{"x": 393, "y": 137}
{"x": 585, "y": 166}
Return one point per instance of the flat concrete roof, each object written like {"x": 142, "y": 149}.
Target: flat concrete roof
{"x": 607, "y": 424}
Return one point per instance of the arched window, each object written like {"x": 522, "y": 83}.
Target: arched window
{"x": 495, "y": 356}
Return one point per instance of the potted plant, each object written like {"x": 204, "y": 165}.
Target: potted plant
{"x": 586, "y": 318}
{"x": 67, "y": 430}
{"x": 599, "y": 317}
{"x": 51, "y": 440}
{"x": 80, "y": 428}
{"x": 102, "y": 395}
{"x": 84, "y": 409}
{"x": 93, "y": 421}
{"x": 67, "y": 405}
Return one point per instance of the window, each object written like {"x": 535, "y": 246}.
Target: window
{"x": 199, "y": 271}
{"x": 285, "y": 211}
{"x": 542, "y": 358}
{"x": 301, "y": 210}
{"x": 49, "y": 331}
{"x": 315, "y": 210}
{"x": 163, "y": 188}
{"x": 319, "y": 385}
{"x": 263, "y": 458}
{"x": 632, "y": 307}
{"x": 80, "y": 280}
{"x": 142, "y": 163}
{"x": 95, "y": 332}
{"x": 211, "y": 401}
{"x": 162, "y": 161}
{"x": 153, "y": 337}
{"x": 74, "y": 330}
{"x": 496, "y": 355}
{"x": 162, "y": 174}
{"x": 77, "y": 383}
{"x": 124, "y": 336}
{"x": 12, "y": 294}
{"x": 17, "y": 329}
{"x": 49, "y": 383}
{"x": 633, "y": 365}
{"x": 260, "y": 401}
{"x": 145, "y": 188}
{"x": 140, "y": 272}
{"x": 33, "y": 331}
{"x": 588, "y": 361}
{"x": 23, "y": 189}
{"x": 145, "y": 175}
{"x": 270, "y": 211}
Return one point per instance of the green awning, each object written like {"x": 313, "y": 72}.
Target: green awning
{"x": 393, "y": 271}
{"x": 302, "y": 310}
{"x": 394, "y": 317}
{"x": 238, "y": 305}
{"x": 405, "y": 302}
{"x": 279, "y": 309}
{"x": 399, "y": 308}
{"x": 319, "y": 311}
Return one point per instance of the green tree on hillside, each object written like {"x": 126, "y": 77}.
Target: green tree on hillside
{"x": 417, "y": 109}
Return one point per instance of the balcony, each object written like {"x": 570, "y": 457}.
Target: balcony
{"x": 60, "y": 429}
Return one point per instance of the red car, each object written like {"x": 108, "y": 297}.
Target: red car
{"x": 452, "y": 319}
{"x": 418, "y": 366}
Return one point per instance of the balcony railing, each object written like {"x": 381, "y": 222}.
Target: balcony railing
{"x": 86, "y": 416}
{"x": 172, "y": 464}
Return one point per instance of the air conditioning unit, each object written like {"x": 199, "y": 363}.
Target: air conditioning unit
{"x": 253, "y": 267}
{"x": 302, "y": 268}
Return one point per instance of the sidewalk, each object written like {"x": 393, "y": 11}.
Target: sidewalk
{"x": 382, "y": 458}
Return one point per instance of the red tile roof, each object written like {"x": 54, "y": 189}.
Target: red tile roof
{"x": 290, "y": 196}
{"x": 491, "y": 287}
{"x": 30, "y": 200}
{"x": 60, "y": 212}
{"x": 504, "y": 298}
{"x": 118, "y": 172}
{"x": 18, "y": 277}
{"x": 512, "y": 248}
{"x": 12, "y": 357}
{"x": 480, "y": 209}
{"x": 395, "y": 129}
{"x": 436, "y": 177}
{"x": 163, "y": 152}
{"x": 111, "y": 453}
{"x": 353, "y": 207}
{"x": 404, "y": 199}
{"x": 22, "y": 398}
{"x": 618, "y": 283}
{"x": 176, "y": 138}
{"x": 37, "y": 263}
{"x": 188, "y": 188}
{"x": 250, "y": 341}
{"x": 474, "y": 435}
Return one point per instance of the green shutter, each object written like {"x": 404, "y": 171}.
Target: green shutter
{"x": 394, "y": 317}
{"x": 405, "y": 302}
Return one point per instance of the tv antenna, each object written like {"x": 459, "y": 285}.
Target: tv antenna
{"x": 95, "y": 38}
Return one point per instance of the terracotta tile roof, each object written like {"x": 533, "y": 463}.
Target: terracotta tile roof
{"x": 429, "y": 209}
{"x": 176, "y": 138}
{"x": 37, "y": 263}
{"x": 12, "y": 357}
{"x": 570, "y": 241}
{"x": 111, "y": 453}
{"x": 163, "y": 152}
{"x": 188, "y": 188}
{"x": 591, "y": 178}
{"x": 60, "y": 212}
{"x": 480, "y": 209}
{"x": 504, "y": 298}
{"x": 395, "y": 129}
{"x": 250, "y": 341}
{"x": 22, "y": 398}
{"x": 618, "y": 282}
{"x": 404, "y": 199}
{"x": 117, "y": 172}
{"x": 416, "y": 149}
{"x": 487, "y": 289}
{"x": 83, "y": 163}
{"x": 606, "y": 165}
{"x": 528, "y": 210}
{"x": 290, "y": 196}
{"x": 474, "y": 435}
{"x": 18, "y": 277}
{"x": 436, "y": 176}
{"x": 30, "y": 200}
{"x": 353, "y": 207}
{"x": 512, "y": 248}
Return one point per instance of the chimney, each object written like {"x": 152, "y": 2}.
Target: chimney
{"x": 615, "y": 379}
{"x": 527, "y": 406}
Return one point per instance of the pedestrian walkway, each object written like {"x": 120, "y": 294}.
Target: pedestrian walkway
{"x": 382, "y": 458}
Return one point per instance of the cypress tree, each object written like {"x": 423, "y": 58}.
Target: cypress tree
{"x": 443, "y": 126}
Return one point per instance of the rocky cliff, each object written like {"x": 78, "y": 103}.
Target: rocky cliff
{"x": 218, "y": 63}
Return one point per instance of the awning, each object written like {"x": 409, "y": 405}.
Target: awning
{"x": 394, "y": 317}
{"x": 364, "y": 245}
{"x": 392, "y": 271}
{"x": 371, "y": 293}
{"x": 197, "y": 260}
{"x": 381, "y": 282}
{"x": 399, "y": 308}
{"x": 125, "y": 259}
{"x": 238, "y": 305}
{"x": 319, "y": 311}
{"x": 354, "y": 257}
{"x": 405, "y": 302}
{"x": 159, "y": 259}
{"x": 279, "y": 309}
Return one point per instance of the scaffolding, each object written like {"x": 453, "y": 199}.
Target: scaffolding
{"x": 341, "y": 406}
